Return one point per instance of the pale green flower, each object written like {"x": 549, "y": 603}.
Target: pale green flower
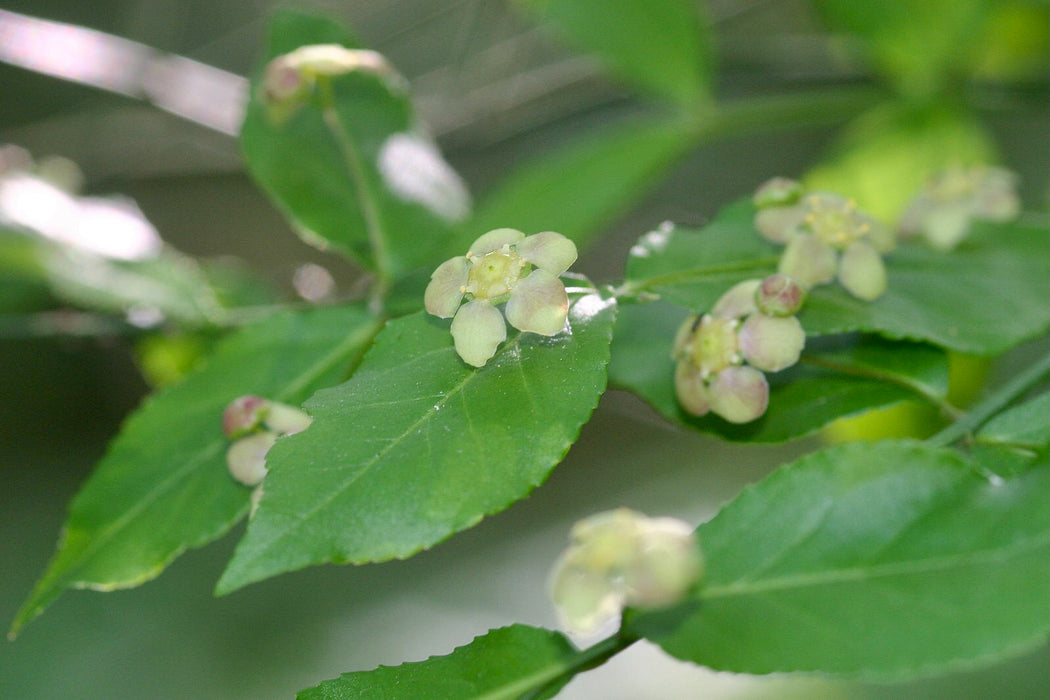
{"x": 622, "y": 558}
{"x": 946, "y": 207}
{"x": 711, "y": 349}
{"x": 820, "y": 231}
{"x": 502, "y": 266}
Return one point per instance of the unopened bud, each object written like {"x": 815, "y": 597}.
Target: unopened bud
{"x": 779, "y": 295}
{"x": 243, "y": 415}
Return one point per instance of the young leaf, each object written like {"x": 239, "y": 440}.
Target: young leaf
{"x": 577, "y": 190}
{"x": 163, "y": 486}
{"x": 982, "y": 298}
{"x": 879, "y": 561}
{"x": 510, "y": 662}
{"x": 660, "y": 45}
{"x": 830, "y": 382}
{"x": 351, "y": 168}
{"x": 419, "y": 445}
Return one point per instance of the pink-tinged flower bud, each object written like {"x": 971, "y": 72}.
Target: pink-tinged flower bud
{"x": 862, "y": 272}
{"x": 739, "y": 394}
{"x": 246, "y": 457}
{"x": 243, "y": 415}
{"x": 771, "y": 343}
{"x": 776, "y": 192}
{"x": 779, "y": 295}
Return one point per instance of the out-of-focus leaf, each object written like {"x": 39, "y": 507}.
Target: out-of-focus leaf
{"x": 1015, "y": 439}
{"x": 418, "y": 445}
{"x": 985, "y": 297}
{"x": 510, "y": 662}
{"x": 358, "y": 175}
{"x": 918, "y": 44}
{"x": 886, "y": 155}
{"x": 829, "y": 384}
{"x": 662, "y": 46}
{"x": 163, "y": 486}
{"x": 577, "y": 190}
{"x": 879, "y": 561}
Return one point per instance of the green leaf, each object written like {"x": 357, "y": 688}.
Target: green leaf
{"x": 352, "y": 169}
{"x": 163, "y": 486}
{"x": 1015, "y": 439}
{"x": 918, "y": 44}
{"x": 661, "y": 46}
{"x": 1025, "y": 425}
{"x": 833, "y": 380}
{"x": 579, "y": 189}
{"x": 878, "y": 561}
{"x": 983, "y": 298}
{"x": 510, "y": 662}
{"x": 418, "y": 445}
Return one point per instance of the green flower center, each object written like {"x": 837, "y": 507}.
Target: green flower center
{"x": 834, "y": 223}
{"x": 494, "y": 274}
{"x": 716, "y": 346}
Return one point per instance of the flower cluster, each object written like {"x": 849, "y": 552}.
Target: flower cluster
{"x": 620, "y": 558}
{"x": 253, "y": 424}
{"x": 825, "y": 237}
{"x": 502, "y": 266}
{"x": 753, "y": 322}
{"x": 943, "y": 211}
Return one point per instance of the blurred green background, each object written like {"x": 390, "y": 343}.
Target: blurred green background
{"x": 495, "y": 90}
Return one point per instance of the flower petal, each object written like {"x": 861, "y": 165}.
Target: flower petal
{"x": 477, "y": 330}
{"x": 771, "y": 343}
{"x": 739, "y": 301}
{"x": 538, "y": 304}
{"x": 862, "y": 272}
{"x": 445, "y": 290}
{"x": 495, "y": 239}
{"x": 584, "y": 596}
{"x": 778, "y": 224}
{"x": 690, "y": 389}
{"x": 246, "y": 457}
{"x": 549, "y": 251}
{"x": 809, "y": 260}
{"x": 739, "y": 394}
